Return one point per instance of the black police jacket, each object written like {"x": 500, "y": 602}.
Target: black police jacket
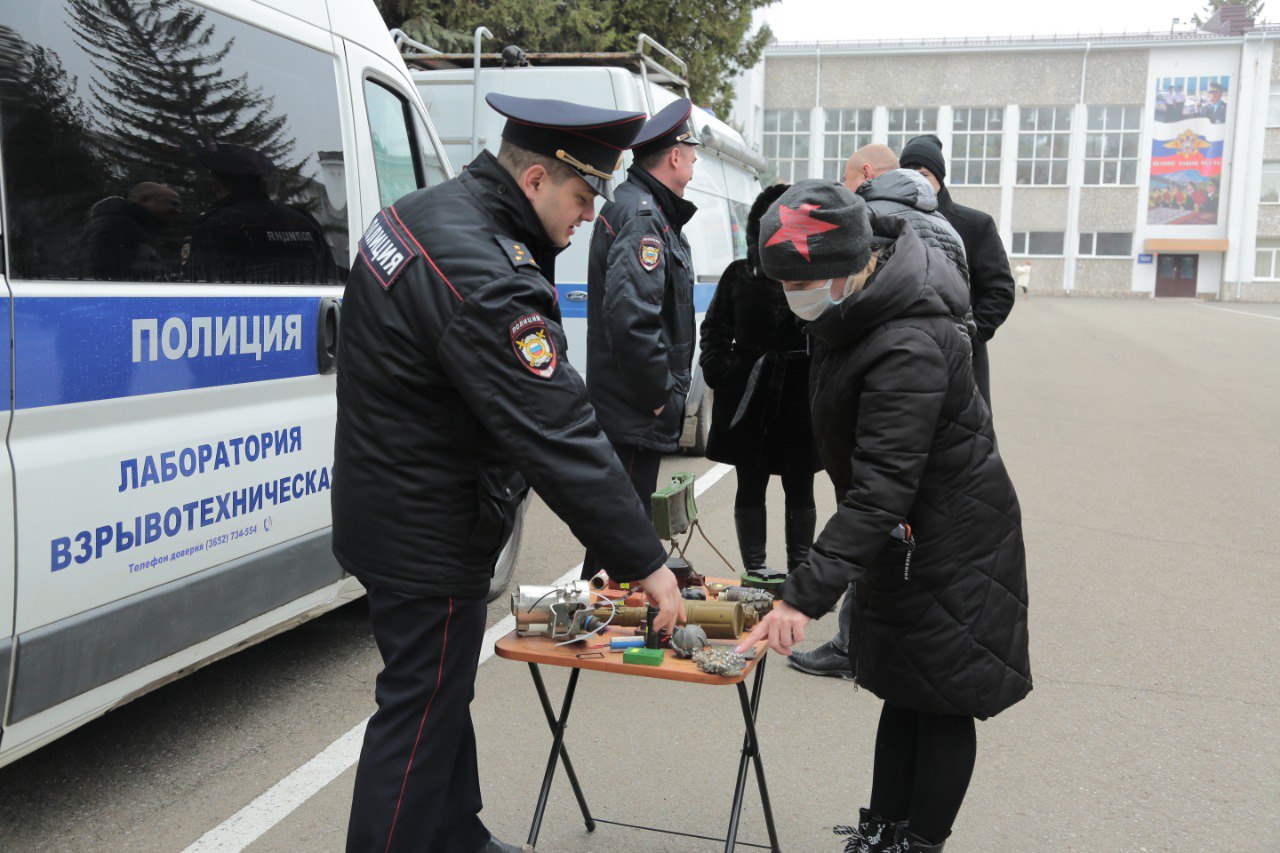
{"x": 248, "y": 237}
{"x": 452, "y": 383}
{"x": 640, "y": 324}
{"x": 940, "y": 627}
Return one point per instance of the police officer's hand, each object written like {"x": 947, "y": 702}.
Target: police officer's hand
{"x": 783, "y": 627}
{"x": 664, "y": 594}
{"x": 660, "y": 410}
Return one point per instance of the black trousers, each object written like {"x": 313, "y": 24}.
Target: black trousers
{"x": 923, "y": 765}
{"x": 641, "y": 465}
{"x": 754, "y": 482}
{"x": 417, "y": 784}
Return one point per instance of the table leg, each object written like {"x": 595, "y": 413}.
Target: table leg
{"x": 556, "y": 746}
{"x": 755, "y": 753}
{"x": 564, "y": 752}
{"x": 750, "y": 754}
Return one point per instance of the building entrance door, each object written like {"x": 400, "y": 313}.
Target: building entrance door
{"x": 1176, "y": 275}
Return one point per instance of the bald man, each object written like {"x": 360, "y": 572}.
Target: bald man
{"x": 121, "y": 242}
{"x": 873, "y": 172}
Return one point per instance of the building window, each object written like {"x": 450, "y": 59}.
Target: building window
{"x": 1044, "y": 140}
{"x": 846, "y": 132}
{"x": 1268, "y": 263}
{"x": 1111, "y": 145}
{"x": 907, "y": 124}
{"x": 1273, "y": 106}
{"x": 1043, "y": 243}
{"x": 786, "y": 143}
{"x": 1111, "y": 244}
{"x": 976, "y": 144}
{"x": 1270, "y": 182}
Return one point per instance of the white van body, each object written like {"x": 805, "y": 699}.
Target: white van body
{"x": 725, "y": 179}
{"x": 164, "y": 498}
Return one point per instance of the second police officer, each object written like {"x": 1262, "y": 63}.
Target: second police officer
{"x": 452, "y": 386}
{"x": 640, "y": 314}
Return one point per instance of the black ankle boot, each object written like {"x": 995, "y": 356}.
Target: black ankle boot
{"x": 908, "y": 842}
{"x": 799, "y": 529}
{"x": 873, "y": 834}
{"x": 750, "y": 523}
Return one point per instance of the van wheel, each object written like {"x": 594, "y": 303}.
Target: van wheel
{"x": 701, "y": 426}
{"x": 506, "y": 566}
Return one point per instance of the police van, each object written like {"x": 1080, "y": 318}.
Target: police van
{"x": 182, "y": 185}
{"x": 726, "y": 179}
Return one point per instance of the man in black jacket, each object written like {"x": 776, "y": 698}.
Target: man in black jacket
{"x": 453, "y": 391}
{"x": 640, "y": 324}
{"x": 990, "y": 281}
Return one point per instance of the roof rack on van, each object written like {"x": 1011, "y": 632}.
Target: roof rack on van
{"x": 643, "y": 61}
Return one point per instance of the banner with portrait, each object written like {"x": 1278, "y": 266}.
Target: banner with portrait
{"x": 1187, "y": 144}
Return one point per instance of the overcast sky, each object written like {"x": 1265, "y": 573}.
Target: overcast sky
{"x": 835, "y": 20}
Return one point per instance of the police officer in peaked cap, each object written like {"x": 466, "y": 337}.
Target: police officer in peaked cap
{"x": 246, "y": 235}
{"x": 453, "y": 393}
{"x": 640, "y": 323}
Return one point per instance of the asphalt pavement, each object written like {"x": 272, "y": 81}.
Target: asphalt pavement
{"x": 1144, "y": 440}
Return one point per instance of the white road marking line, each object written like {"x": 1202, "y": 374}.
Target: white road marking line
{"x": 281, "y": 799}
{"x": 1242, "y": 313}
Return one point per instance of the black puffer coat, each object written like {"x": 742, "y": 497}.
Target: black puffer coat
{"x": 906, "y": 438}
{"x": 752, "y": 346}
{"x": 906, "y": 194}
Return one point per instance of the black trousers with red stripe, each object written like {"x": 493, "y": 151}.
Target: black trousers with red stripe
{"x": 641, "y": 465}
{"x": 417, "y": 784}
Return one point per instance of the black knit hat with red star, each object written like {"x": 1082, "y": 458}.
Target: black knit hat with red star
{"x": 816, "y": 230}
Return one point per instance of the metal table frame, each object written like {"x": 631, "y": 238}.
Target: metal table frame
{"x": 750, "y": 754}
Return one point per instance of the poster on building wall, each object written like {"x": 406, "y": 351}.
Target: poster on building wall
{"x": 1186, "y": 150}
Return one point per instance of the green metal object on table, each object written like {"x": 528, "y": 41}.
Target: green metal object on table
{"x": 771, "y": 580}
{"x": 644, "y": 657}
{"x": 674, "y": 509}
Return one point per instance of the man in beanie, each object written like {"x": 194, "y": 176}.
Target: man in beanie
{"x": 908, "y": 444}
{"x": 991, "y": 290}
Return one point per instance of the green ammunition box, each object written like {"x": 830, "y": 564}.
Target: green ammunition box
{"x": 644, "y": 657}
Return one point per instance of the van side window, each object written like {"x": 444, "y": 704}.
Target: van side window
{"x": 396, "y": 154}
{"x": 165, "y": 142}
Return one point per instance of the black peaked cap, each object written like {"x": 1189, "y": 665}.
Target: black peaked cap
{"x": 586, "y": 139}
{"x": 668, "y": 126}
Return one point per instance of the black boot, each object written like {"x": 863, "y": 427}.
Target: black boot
{"x": 873, "y": 834}
{"x": 800, "y": 527}
{"x": 908, "y": 842}
{"x": 750, "y": 523}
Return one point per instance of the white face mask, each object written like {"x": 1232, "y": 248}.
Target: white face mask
{"x": 811, "y": 304}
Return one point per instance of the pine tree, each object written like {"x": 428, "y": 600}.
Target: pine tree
{"x": 1213, "y": 6}
{"x": 711, "y": 35}
{"x": 54, "y": 169}
{"x": 163, "y": 91}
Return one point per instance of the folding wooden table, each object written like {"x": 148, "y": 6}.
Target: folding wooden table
{"x": 539, "y": 650}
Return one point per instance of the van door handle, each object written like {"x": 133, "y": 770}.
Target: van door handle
{"x": 327, "y": 335}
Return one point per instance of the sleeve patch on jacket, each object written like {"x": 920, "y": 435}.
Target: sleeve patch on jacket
{"x": 533, "y": 345}
{"x": 650, "y": 252}
{"x": 517, "y": 252}
{"x": 385, "y": 253}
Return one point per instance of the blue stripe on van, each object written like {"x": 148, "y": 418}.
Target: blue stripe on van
{"x": 78, "y": 349}
{"x": 573, "y": 299}
{"x": 5, "y": 350}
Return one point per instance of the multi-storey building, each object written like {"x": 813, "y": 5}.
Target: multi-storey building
{"x": 1119, "y": 164}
